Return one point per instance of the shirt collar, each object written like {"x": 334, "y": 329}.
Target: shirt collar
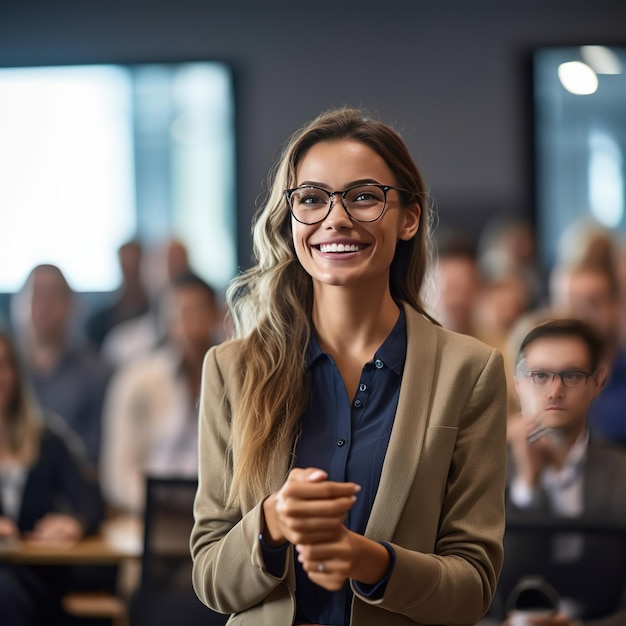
{"x": 392, "y": 352}
{"x": 573, "y": 464}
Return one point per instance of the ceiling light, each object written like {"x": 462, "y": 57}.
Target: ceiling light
{"x": 578, "y": 78}
{"x": 602, "y": 59}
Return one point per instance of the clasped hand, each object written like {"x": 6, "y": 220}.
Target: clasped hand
{"x": 53, "y": 527}
{"x": 309, "y": 512}
{"x": 531, "y": 459}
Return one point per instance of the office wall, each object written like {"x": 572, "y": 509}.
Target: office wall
{"x": 450, "y": 74}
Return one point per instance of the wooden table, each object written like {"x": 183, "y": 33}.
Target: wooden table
{"x": 96, "y": 550}
{"x": 118, "y": 543}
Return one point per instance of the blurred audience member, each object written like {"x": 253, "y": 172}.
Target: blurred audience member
{"x": 586, "y": 242}
{"x": 69, "y": 379}
{"x": 589, "y": 292}
{"x": 177, "y": 259}
{"x": 47, "y": 494}
{"x": 507, "y": 247}
{"x": 592, "y": 294}
{"x": 500, "y": 304}
{"x": 131, "y": 299}
{"x": 457, "y": 283}
{"x": 620, "y": 268}
{"x": 135, "y": 337}
{"x": 150, "y": 423}
{"x": 556, "y": 467}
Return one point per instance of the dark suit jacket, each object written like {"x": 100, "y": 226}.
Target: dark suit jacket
{"x": 60, "y": 482}
{"x": 604, "y": 505}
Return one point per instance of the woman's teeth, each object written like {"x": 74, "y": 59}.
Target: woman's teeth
{"x": 339, "y": 247}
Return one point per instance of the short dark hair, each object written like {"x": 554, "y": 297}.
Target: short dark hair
{"x": 456, "y": 246}
{"x": 190, "y": 279}
{"x": 565, "y": 328}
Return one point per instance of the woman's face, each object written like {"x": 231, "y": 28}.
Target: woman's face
{"x": 8, "y": 377}
{"x": 368, "y": 248}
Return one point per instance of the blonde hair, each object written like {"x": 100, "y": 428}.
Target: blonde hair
{"x": 271, "y": 303}
{"x": 22, "y": 418}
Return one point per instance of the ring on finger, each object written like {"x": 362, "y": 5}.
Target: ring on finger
{"x": 320, "y": 567}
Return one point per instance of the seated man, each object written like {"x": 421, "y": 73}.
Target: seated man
{"x": 150, "y": 424}
{"x": 69, "y": 378}
{"x": 557, "y": 471}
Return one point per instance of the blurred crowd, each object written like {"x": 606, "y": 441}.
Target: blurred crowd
{"x": 496, "y": 290}
{"x": 123, "y": 379}
{"x": 93, "y": 402}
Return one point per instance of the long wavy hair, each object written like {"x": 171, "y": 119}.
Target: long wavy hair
{"x": 271, "y": 303}
{"x": 22, "y": 421}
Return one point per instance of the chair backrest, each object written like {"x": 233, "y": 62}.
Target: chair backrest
{"x": 165, "y": 595}
{"x": 584, "y": 560}
{"x": 168, "y": 520}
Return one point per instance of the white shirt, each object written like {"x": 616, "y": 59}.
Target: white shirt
{"x": 150, "y": 426}
{"x": 563, "y": 488}
{"x": 12, "y": 483}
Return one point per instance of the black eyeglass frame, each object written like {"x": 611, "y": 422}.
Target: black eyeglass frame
{"x": 384, "y": 188}
{"x": 561, "y": 375}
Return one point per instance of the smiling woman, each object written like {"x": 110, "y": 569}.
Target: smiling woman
{"x": 361, "y": 445}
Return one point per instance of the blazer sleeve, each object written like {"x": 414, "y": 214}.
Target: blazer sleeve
{"x": 229, "y": 573}
{"x": 450, "y": 577}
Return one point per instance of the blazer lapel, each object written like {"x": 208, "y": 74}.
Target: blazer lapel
{"x": 409, "y": 427}
{"x": 593, "y": 496}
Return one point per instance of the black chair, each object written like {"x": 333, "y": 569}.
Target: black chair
{"x": 584, "y": 560}
{"x": 165, "y": 595}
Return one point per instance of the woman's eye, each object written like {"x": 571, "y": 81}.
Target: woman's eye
{"x": 365, "y": 196}
{"x": 311, "y": 199}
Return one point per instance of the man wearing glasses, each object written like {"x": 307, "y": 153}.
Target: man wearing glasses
{"x": 556, "y": 470}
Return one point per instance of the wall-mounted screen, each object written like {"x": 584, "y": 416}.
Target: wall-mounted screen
{"x": 91, "y": 156}
{"x": 580, "y": 139}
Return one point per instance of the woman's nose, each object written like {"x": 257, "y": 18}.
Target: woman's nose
{"x": 337, "y": 216}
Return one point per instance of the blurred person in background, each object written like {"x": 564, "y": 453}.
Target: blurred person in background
{"x": 620, "y": 267}
{"x": 150, "y": 417}
{"x": 69, "y": 378}
{"x": 457, "y": 284}
{"x": 507, "y": 247}
{"x": 129, "y": 301}
{"x": 48, "y": 493}
{"x": 499, "y": 304}
{"x": 586, "y": 242}
{"x": 134, "y": 337}
{"x": 557, "y": 469}
{"x": 590, "y": 292}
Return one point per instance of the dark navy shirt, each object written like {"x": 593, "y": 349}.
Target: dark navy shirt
{"x": 606, "y": 413}
{"x": 349, "y": 441}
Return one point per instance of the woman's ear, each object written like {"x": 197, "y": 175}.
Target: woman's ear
{"x": 410, "y": 222}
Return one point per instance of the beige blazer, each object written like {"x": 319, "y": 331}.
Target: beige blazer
{"x": 440, "y": 501}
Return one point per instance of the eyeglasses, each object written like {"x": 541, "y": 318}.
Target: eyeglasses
{"x": 572, "y": 378}
{"x": 363, "y": 203}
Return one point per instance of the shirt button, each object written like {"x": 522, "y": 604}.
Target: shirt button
{"x": 357, "y": 403}
{"x": 362, "y": 387}
{"x": 341, "y": 442}
{"x": 378, "y": 363}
